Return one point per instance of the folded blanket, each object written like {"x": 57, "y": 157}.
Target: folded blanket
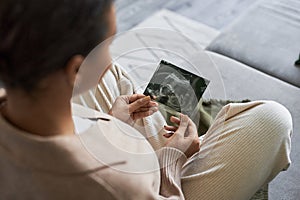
{"x": 208, "y": 109}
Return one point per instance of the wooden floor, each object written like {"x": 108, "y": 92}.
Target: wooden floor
{"x": 215, "y": 13}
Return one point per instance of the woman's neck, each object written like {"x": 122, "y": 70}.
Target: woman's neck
{"x": 45, "y": 116}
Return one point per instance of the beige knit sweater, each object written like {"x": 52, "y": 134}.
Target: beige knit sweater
{"x": 101, "y": 163}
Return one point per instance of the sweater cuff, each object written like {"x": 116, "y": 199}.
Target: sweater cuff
{"x": 170, "y": 157}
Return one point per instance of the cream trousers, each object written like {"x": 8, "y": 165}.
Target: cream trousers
{"x": 245, "y": 148}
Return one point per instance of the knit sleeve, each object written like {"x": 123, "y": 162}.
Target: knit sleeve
{"x": 171, "y": 161}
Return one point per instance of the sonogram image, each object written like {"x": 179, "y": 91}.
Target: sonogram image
{"x": 176, "y": 88}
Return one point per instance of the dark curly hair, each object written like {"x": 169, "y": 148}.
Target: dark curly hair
{"x": 38, "y": 37}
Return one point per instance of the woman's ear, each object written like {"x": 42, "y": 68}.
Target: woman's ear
{"x": 72, "y": 68}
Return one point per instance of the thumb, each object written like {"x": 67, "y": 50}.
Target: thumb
{"x": 192, "y": 129}
{"x": 184, "y": 121}
{"x": 139, "y": 103}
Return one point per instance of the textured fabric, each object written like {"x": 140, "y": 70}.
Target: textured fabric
{"x": 261, "y": 194}
{"x": 239, "y": 113}
{"x": 241, "y": 81}
{"x": 108, "y": 161}
{"x": 208, "y": 110}
{"x": 266, "y": 38}
{"x": 246, "y": 147}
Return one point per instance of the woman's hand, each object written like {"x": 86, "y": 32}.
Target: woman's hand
{"x": 184, "y": 137}
{"x": 132, "y": 107}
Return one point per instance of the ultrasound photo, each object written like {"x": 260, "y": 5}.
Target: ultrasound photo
{"x": 175, "y": 88}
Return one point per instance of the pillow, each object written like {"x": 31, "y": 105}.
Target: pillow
{"x": 267, "y": 38}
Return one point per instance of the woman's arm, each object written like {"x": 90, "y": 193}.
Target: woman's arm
{"x": 181, "y": 144}
{"x": 171, "y": 161}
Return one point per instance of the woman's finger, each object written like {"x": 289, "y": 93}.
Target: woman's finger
{"x": 175, "y": 120}
{"x": 152, "y": 103}
{"x": 153, "y": 97}
{"x": 146, "y": 108}
{"x": 140, "y": 115}
{"x": 135, "y": 97}
{"x": 143, "y": 109}
{"x": 168, "y": 134}
{"x": 184, "y": 123}
{"x": 139, "y": 103}
{"x": 192, "y": 129}
{"x": 170, "y": 128}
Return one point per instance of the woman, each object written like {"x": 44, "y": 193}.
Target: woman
{"x": 42, "y": 47}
